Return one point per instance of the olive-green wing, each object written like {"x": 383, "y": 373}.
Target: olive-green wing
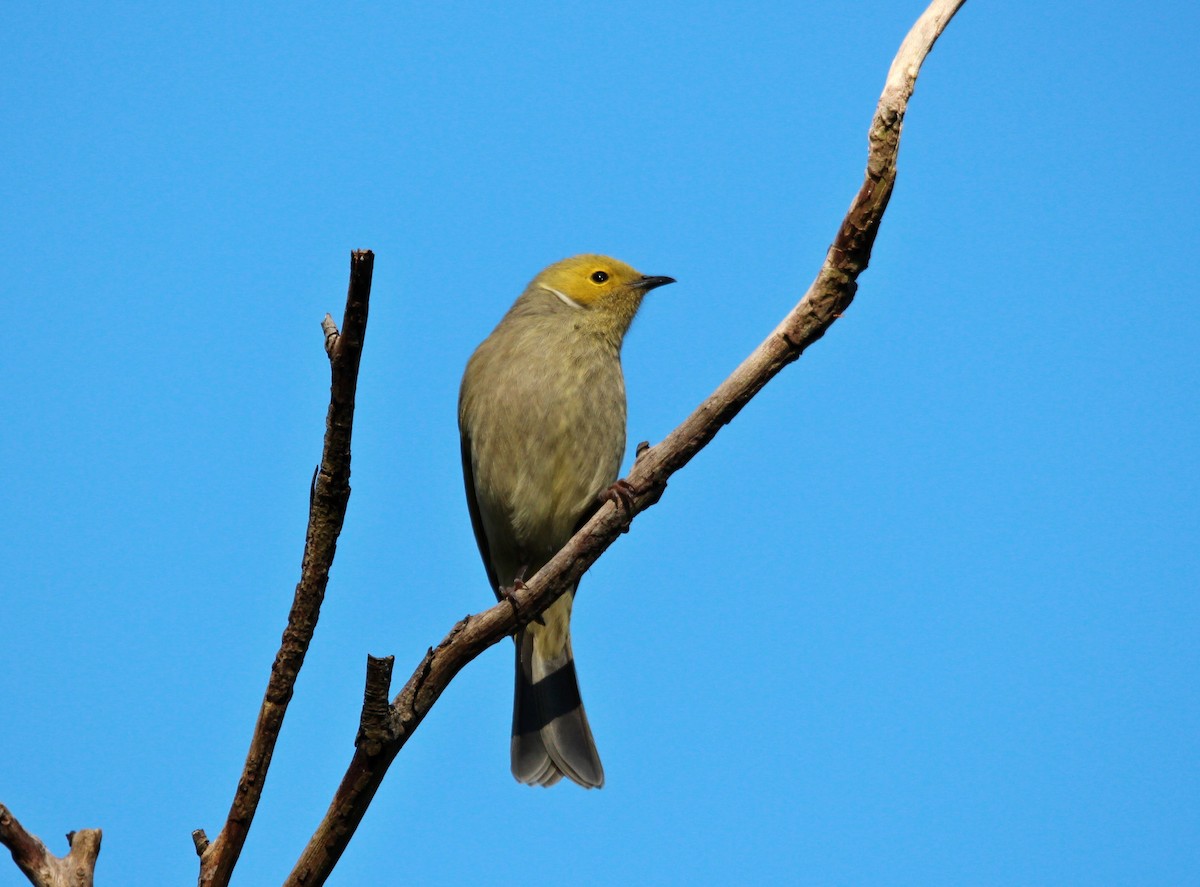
{"x": 476, "y": 518}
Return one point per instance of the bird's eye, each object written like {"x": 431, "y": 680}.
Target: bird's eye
{"x": 599, "y": 276}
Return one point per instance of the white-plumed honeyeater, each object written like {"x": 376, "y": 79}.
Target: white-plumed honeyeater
{"x": 542, "y": 418}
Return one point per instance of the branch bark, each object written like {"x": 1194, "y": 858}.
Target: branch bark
{"x": 828, "y": 296}
{"x": 43, "y": 868}
{"x": 327, "y": 509}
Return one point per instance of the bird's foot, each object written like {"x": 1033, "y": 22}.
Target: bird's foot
{"x": 509, "y": 594}
{"x": 621, "y": 494}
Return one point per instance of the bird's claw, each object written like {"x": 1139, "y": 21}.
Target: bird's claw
{"x": 509, "y": 594}
{"x": 621, "y": 494}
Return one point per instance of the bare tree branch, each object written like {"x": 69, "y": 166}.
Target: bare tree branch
{"x": 327, "y": 509}
{"x": 374, "y": 725}
{"x": 43, "y": 868}
{"x": 826, "y": 299}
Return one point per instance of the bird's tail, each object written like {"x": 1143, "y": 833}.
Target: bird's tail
{"x": 550, "y": 737}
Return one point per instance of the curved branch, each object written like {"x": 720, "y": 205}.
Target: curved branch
{"x": 43, "y": 868}
{"x": 327, "y": 509}
{"x": 828, "y": 296}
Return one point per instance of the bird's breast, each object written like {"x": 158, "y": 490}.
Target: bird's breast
{"x": 546, "y": 418}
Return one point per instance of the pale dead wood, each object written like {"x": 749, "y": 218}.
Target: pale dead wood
{"x": 43, "y": 868}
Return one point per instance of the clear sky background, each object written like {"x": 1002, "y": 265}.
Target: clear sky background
{"x": 926, "y": 613}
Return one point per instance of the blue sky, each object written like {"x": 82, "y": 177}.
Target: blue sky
{"x": 926, "y": 613}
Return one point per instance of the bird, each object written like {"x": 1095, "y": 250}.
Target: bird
{"x": 541, "y": 416}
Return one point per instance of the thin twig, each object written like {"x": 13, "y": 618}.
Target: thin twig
{"x": 824, "y": 302}
{"x": 327, "y": 510}
{"x": 43, "y": 868}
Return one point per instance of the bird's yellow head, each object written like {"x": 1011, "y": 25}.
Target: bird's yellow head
{"x": 605, "y": 291}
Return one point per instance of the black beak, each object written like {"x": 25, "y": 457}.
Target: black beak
{"x": 649, "y": 283}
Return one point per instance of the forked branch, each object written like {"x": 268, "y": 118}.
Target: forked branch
{"x": 43, "y": 868}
